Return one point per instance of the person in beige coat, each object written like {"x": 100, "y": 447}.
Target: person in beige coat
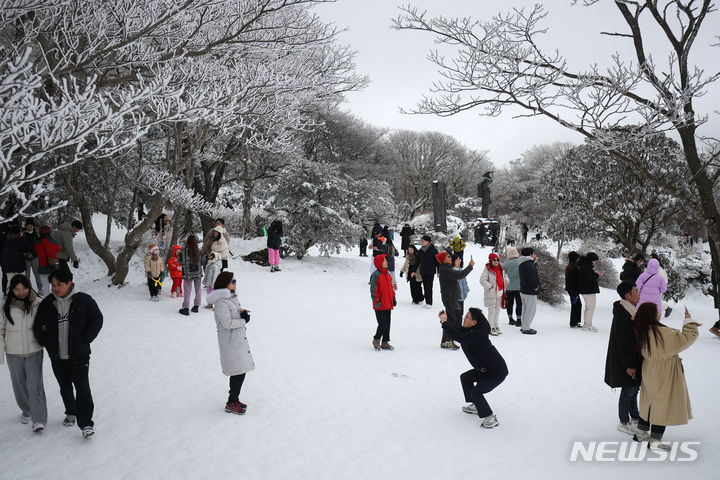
{"x": 494, "y": 280}
{"x": 664, "y": 398}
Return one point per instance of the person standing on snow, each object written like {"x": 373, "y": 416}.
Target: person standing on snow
{"x": 623, "y": 362}
{"x": 512, "y": 290}
{"x": 192, "y": 262}
{"x": 391, "y": 254}
{"x": 405, "y": 234}
{"x": 588, "y": 288}
{"x": 32, "y": 267}
{"x": 664, "y": 398}
{"x": 665, "y": 307}
{"x": 412, "y": 272}
{"x": 651, "y": 284}
{"x": 67, "y": 321}
{"x": 231, "y": 319}
{"x": 529, "y": 288}
{"x": 383, "y": 301}
{"x": 428, "y": 268}
{"x": 450, "y": 293}
{"x": 154, "y": 271}
{"x": 632, "y": 268}
{"x": 462, "y": 283}
{"x": 572, "y": 287}
{"x": 489, "y": 368}
{"x": 64, "y": 236}
{"x": 494, "y": 280}
{"x": 274, "y": 241}
{"x": 175, "y": 272}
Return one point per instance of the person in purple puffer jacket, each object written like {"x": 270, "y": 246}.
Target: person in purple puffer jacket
{"x": 651, "y": 285}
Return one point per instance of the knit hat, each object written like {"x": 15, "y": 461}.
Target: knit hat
{"x": 512, "y": 252}
{"x": 440, "y": 257}
{"x": 493, "y": 256}
{"x": 44, "y": 230}
{"x": 153, "y": 248}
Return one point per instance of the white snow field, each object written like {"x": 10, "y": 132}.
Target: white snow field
{"x": 322, "y": 404}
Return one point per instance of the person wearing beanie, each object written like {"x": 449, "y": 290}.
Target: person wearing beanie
{"x": 572, "y": 286}
{"x": 588, "y": 288}
{"x": 494, "y": 280}
{"x": 428, "y": 268}
{"x": 512, "y": 290}
{"x": 154, "y": 271}
{"x": 383, "y": 301}
{"x": 450, "y": 293}
{"x": 529, "y": 288}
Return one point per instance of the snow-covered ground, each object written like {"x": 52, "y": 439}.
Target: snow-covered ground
{"x": 324, "y": 404}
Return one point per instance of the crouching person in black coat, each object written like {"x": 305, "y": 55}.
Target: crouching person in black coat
{"x": 489, "y": 368}
{"x": 67, "y": 321}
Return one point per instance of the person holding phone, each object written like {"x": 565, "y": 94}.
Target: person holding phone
{"x": 235, "y": 357}
{"x": 450, "y": 293}
{"x": 489, "y": 367}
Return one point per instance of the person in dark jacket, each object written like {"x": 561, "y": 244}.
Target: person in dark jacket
{"x": 363, "y": 246}
{"x": 450, "y": 293}
{"x": 414, "y": 277}
{"x": 405, "y": 234}
{"x": 32, "y": 268}
{"x": 572, "y": 287}
{"x": 624, "y": 363}
{"x": 428, "y": 268}
{"x": 14, "y": 252}
{"x": 588, "y": 288}
{"x": 379, "y": 244}
{"x": 489, "y": 368}
{"x": 67, "y": 321}
{"x": 632, "y": 268}
{"x": 274, "y": 240}
{"x": 529, "y": 288}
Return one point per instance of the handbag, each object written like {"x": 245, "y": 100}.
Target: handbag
{"x": 50, "y": 261}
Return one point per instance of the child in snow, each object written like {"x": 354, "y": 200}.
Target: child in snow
{"x": 175, "y": 272}
{"x": 235, "y": 357}
{"x": 212, "y": 270}
{"x": 383, "y": 301}
{"x": 154, "y": 270}
{"x": 489, "y": 368}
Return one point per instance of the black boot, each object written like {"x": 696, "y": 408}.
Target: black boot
{"x": 184, "y": 311}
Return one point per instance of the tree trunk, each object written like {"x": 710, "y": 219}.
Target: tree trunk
{"x": 715, "y": 254}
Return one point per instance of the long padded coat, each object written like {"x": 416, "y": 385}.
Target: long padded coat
{"x": 235, "y": 356}
{"x": 651, "y": 284}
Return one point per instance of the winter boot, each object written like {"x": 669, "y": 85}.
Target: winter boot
{"x": 512, "y": 322}
{"x": 386, "y": 346}
{"x": 184, "y": 311}
{"x": 529, "y": 331}
{"x": 490, "y": 421}
{"x": 194, "y": 309}
{"x": 235, "y": 407}
{"x": 376, "y": 344}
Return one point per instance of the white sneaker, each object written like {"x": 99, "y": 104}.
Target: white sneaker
{"x": 641, "y": 436}
{"x": 69, "y": 420}
{"x": 589, "y": 328}
{"x": 427, "y": 306}
{"x": 38, "y": 427}
{"x": 88, "y": 432}
{"x": 627, "y": 428}
{"x": 499, "y": 332}
{"x": 470, "y": 408}
{"x": 25, "y": 418}
{"x": 490, "y": 421}
{"x": 494, "y": 332}
{"x": 658, "y": 445}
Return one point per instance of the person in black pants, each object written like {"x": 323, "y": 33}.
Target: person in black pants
{"x": 428, "y": 268}
{"x": 489, "y": 368}
{"x": 450, "y": 293}
{"x": 67, "y": 321}
{"x": 572, "y": 286}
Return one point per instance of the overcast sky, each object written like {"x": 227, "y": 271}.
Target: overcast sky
{"x": 395, "y": 61}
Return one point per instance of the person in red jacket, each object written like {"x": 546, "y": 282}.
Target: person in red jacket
{"x": 383, "y": 301}
{"x": 175, "y": 270}
{"x": 46, "y": 251}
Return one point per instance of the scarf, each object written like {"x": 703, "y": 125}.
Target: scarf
{"x": 498, "y": 272}
{"x": 631, "y": 309}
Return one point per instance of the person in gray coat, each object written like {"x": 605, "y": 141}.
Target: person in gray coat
{"x": 235, "y": 357}
{"x": 64, "y": 237}
{"x": 512, "y": 292}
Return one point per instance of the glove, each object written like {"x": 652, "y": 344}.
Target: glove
{"x": 245, "y": 316}
{"x": 574, "y": 300}
{"x": 394, "y": 303}
{"x": 76, "y": 263}
{"x": 401, "y": 274}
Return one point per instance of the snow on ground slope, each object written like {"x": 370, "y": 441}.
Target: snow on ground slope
{"x": 324, "y": 404}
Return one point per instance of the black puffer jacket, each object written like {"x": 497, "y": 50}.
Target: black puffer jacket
{"x": 85, "y": 319}
{"x": 587, "y": 278}
{"x": 572, "y": 281}
{"x": 630, "y": 272}
{"x": 478, "y": 349}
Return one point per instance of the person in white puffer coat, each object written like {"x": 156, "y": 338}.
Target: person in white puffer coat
{"x": 24, "y": 353}
{"x": 494, "y": 280}
{"x": 235, "y": 357}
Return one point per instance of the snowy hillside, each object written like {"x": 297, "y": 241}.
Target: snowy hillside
{"x": 322, "y": 404}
